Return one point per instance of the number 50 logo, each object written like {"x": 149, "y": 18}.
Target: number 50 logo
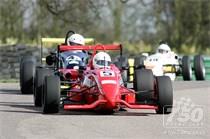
{"x": 185, "y": 114}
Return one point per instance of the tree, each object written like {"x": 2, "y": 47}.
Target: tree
{"x": 11, "y": 17}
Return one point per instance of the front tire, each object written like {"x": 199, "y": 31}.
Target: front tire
{"x": 199, "y": 67}
{"x": 41, "y": 73}
{"x": 143, "y": 84}
{"x": 51, "y": 99}
{"x": 186, "y": 68}
{"x": 164, "y": 94}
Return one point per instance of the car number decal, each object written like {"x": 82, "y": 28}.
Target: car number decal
{"x": 107, "y": 73}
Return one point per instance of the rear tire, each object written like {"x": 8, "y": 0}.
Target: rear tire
{"x": 29, "y": 58}
{"x": 123, "y": 65}
{"x": 27, "y": 74}
{"x": 139, "y": 62}
{"x": 186, "y": 68}
{"x": 143, "y": 81}
{"x": 199, "y": 67}
{"x": 41, "y": 73}
{"x": 51, "y": 100}
{"x": 164, "y": 95}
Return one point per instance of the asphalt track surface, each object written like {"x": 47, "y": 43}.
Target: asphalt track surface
{"x": 19, "y": 119}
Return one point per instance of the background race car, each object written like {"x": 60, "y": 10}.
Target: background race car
{"x": 169, "y": 64}
{"x": 172, "y": 65}
{"x": 29, "y": 64}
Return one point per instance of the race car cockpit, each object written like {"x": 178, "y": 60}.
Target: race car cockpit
{"x": 73, "y": 60}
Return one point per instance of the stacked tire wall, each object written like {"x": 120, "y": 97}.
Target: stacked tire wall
{"x": 10, "y": 56}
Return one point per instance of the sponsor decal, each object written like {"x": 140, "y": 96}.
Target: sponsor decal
{"x": 108, "y": 82}
{"x": 107, "y": 73}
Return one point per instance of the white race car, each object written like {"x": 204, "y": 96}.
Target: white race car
{"x": 167, "y": 62}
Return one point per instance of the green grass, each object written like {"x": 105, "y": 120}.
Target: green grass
{"x": 9, "y": 80}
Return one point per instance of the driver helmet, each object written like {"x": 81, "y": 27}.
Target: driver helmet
{"x": 76, "y": 39}
{"x": 163, "y": 49}
{"x": 101, "y": 60}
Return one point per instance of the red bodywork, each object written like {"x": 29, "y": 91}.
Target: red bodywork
{"x": 106, "y": 93}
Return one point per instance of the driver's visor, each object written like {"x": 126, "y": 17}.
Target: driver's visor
{"x": 74, "y": 44}
{"x": 162, "y": 51}
{"x": 103, "y": 63}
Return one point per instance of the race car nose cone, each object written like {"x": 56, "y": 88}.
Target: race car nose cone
{"x": 110, "y": 92}
{"x": 112, "y": 103}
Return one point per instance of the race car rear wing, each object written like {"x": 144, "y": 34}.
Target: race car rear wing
{"x": 94, "y": 48}
{"x": 62, "y": 40}
{"x": 62, "y": 48}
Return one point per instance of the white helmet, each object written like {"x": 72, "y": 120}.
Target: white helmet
{"x": 76, "y": 39}
{"x": 101, "y": 60}
{"x": 163, "y": 48}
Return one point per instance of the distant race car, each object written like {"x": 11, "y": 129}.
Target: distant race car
{"x": 172, "y": 65}
{"x": 167, "y": 63}
{"x": 64, "y": 82}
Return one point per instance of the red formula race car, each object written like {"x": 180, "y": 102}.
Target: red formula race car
{"x": 105, "y": 91}
{"x": 70, "y": 79}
